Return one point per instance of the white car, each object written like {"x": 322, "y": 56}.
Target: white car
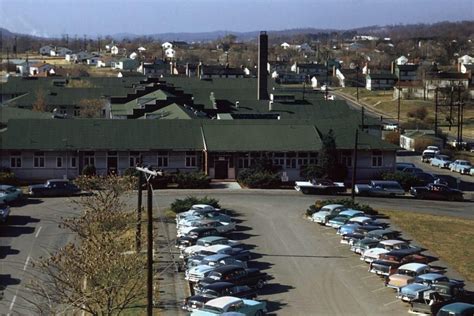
{"x": 327, "y": 212}
{"x": 461, "y": 166}
{"x": 205, "y": 242}
{"x": 221, "y": 227}
{"x": 384, "y": 246}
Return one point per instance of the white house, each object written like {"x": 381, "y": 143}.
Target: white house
{"x": 114, "y": 50}
{"x": 104, "y": 62}
{"x": 40, "y": 68}
{"x": 133, "y": 55}
{"x": 170, "y": 53}
{"x": 93, "y": 60}
{"x": 314, "y": 82}
{"x": 402, "y": 60}
{"x": 108, "y": 47}
{"x": 60, "y": 51}
{"x": 45, "y": 50}
{"x": 166, "y": 45}
{"x": 466, "y": 59}
{"x": 285, "y": 45}
{"x": 141, "y": 49}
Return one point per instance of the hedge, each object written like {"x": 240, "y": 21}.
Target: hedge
{"x": 179, "y": 206}
{"x": 259, "y": 179}
{"x": 346, "y": 202}
{"x": 192, "y": 180}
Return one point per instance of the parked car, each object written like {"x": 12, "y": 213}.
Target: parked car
{"x": 10, "y": 194}
{"x": 402, "y": 165}
{"x": 378, "y": 234}
{"x": 193, "y": 235}
{"x": 197, "y": 209}
{"x": 379, "y": 188}
{"x": 236, "y": 275}
{"x": 360, "y": 232}
{"x": 436, "y": 192}
{"x": 422, "y": 283}
{"x": 461, "y": 166}
{"x": 362, "y": 245}
{"x": 218, "y": 289}
{"x": 343, "y": 217}
{"x": 212, "y": 215}
{"x": 428, "y": 154}
{"x": 320, "y": 186}
{"x": 457, "y": 309}
{"x": 215, "y": 260}
{"x": 237, "y": 253}
{"x": 388, "y": 263}
{"x": 432, "y": 298}
{"x": 207, "y": 241}
{"x": 412, "y": 170}
{"x": 54, "y": 187}
{"x": 220, "y": 227}
{"x": 441, "y": 161}
{"x": 4, "y": 211}
{"x": 221, "y": 305}
{"x": 406, "y": 274}
{"x": 385, "y": 246}
{"x": 327, "y": 212}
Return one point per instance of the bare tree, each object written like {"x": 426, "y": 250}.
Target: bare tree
{"x": 40, "y": 103}
{"x": 91, "y": 108}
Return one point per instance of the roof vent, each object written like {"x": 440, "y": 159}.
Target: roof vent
{"x": 237, "y": 104}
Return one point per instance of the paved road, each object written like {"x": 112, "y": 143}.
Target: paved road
{"x": 313, "y": 273}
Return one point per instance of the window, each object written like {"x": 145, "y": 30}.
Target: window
{"x": 134, "y": 158}
{"x": 313, "y": 158}
{"x": 73, "y": 162}
{"x": 162, "y": 159}
{"x": 190, "y": 159}
{"x": 244, "y": 161}
{"x": 77, "y": 111}
{"x": 15, "y": 160}
{"x": 346, "y": 159}
{"x": 278, "y": 159}
{"x": 38, "y": 161}
{"x": 377, "y": 158}
{"x": 291, "y": 160}
{"x": 59, "y": 162}
{"x": 89, "y": 158}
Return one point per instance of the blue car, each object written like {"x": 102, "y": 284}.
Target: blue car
{"x": 4, "y": 211}
{"x": 10, "y": 193}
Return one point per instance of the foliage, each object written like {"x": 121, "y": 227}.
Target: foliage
{"x": 329, "y": 160}
{"x": 406, "y": 180}
{"x": 131, "y": 172}
{"x": 192, "y": 180}
{"x": 393, "y": 138}
{"x": 89, "y": 170}
{"x": 95, "y": 273}
{"x": 418, "y": 113}
{"x": 259, "y": 179}
{"x": 40, "y": 103}
{"x": 318, "y": 204}
{"x": 312, "y": 172}
{"x": 91, "y": 108}
{"x": 8, "y": 177}
{"x": 179, "y": 206}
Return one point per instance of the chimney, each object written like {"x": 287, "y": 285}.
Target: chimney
{"x": 334, "y": 71}
{"x": 262, "y": 93}
{"x": 270, "y": 106}
{"x": 237, "y": 104}
{"x": 392, "y": 67}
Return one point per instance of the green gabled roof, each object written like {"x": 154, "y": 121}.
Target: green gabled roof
{"x": 127, "y": 108}
{"x": 102, "y": 134}
{"x": 260, "y": 136}
{"x": 172, "y": 112}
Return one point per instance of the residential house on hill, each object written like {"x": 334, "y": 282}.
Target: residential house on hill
{"x": 60, "y": 51}
{"x": 406, "y": 72}
{"x": 126, "y": 64}
{"x": 381, "y": 81}
{"x": 40, "y": 68}
{"x": 215, "y": 71}
{"x": 45, "y": 50}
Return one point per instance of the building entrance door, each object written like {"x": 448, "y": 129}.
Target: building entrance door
{"x": 221, "y": 169}
{"x": 112, "y": 165}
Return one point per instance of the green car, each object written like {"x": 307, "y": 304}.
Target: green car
{"x": 456, "y": 309}
{"x": 10, "y": 193}
{"x": 226, "y": 304}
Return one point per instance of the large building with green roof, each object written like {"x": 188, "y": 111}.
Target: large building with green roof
{"x": 182, "y": 124}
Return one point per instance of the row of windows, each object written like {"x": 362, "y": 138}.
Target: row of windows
{"x": 39, "y": 161}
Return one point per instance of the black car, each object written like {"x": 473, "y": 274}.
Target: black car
{"x": 403, "y": 165}
{"x": 235, "y": 275}
{"x": 191, "y": 238}
{"x": 436, "y": 192}
{"x": 218, "y": 289}
{"x": 54, "y": 187}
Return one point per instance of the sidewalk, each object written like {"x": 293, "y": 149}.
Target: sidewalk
{"x": 359, "y": 103}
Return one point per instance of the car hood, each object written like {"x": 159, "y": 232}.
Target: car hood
{"x": 201, "y": 269}
{"x": 400, "y": 279}
{"x": 320, "y": 214}
{"x": 37, "y": 186}
{"x": 192, "y": 249}
{"x": 413, "y": 289}
{"x": 374, "y": 252}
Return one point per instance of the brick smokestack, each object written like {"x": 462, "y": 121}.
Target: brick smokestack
{"x": 262, "y": 93}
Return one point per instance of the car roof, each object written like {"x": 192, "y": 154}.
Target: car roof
{"x": 332, "y": 206}
{"x": 413, "y": 266}
{"x": 360, "y": 218}
{"x": 5, "y": 186}
{"x": 381, "y": 231}
{"x": 350, "y": 212}
{"x": 57, "y": 180}
{"x": 227, "y": 268}
{"x": 223, "y": 301}
{"x": 457, "y": 307}
{"x": 388, "y": 181}
{"x": 216, "y": 248}
{"x": 431, "y": 276}
{"x": 211, "y": 238}
{"x": 217, "y": 257}
{"x": 392, "y": 242}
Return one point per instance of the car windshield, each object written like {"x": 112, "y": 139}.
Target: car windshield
{"x": 407, "y": 272}
{"x": 213, "y": 309}
{"x": 206, "y": 253}
{"x": 209, "y": 292}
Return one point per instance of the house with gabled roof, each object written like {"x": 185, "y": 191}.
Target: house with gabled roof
{"x": 380, "y": 81}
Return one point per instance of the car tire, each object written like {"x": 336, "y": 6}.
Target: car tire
{"x": 259, "y": 313}
{"x": 260, "y": 284}
{"x": 304, "y": 191}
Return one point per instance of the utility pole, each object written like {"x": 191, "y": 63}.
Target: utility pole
{"x": 357, "y": 82}
{"x": 327, "y": 78}
{"x": 398, "y": 108}
{"x": 138, "y": 237}
{"x": 451, "y": 108}
{"x": 436, "y": 112}
{"x": 363, "y": 117}
{"x": 149, "y": 174}
{"x": 354, "y": 167}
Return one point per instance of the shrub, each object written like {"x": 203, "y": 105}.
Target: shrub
{"x": 312, "y": 172}
{"x": 346, "y": 202}
{"x": 259, "y": 179}
{"x": 405, "y": 179}
{"x": 7, "y": 177}
{"x": 192, "y": 180}
{"x": 393, "y": 138}
{"x": 179, "y": 206}
{"x": 131, "y": 172}
{"x": 89, "y": 170}
{"x": 418, "y": 113}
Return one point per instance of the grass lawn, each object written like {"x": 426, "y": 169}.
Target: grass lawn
{"x": 449, "y": 238}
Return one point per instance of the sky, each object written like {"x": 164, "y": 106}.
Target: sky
{"x": 142, "y": 17}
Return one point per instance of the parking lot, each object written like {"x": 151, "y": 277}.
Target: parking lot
{"x": 312, "y": 272}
